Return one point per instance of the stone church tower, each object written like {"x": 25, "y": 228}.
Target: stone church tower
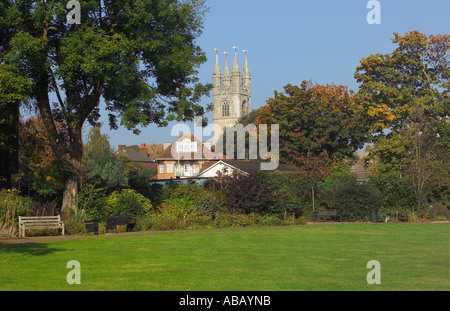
{"x": 231, "y": 94}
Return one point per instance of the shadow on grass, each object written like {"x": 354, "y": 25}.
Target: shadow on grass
{"x": 36, "y": 249}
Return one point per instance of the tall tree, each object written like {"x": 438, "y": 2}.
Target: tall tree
{"x": 13, "y": 89}
{"x": 314, "y": 120}
{"x": 405, "y": 96}
{"x": 319, "y": 126}
{"x": 102, "y": 164}
{"x": 140, "y": 57}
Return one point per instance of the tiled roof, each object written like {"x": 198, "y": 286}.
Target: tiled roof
{"x": 204, "y": 153}
{"x": 248, "y": 166}
{"x": 361, "y": 172}
{"x": 135, "y": 156}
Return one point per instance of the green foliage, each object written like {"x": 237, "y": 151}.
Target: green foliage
{"x": 92, "y": 200}
{"x": 12, "y": 205}
{"x": 398, "y": 197}
{"x": 405, "y": 100}
{"x": 13, "y": 89}
{"x": 185, "y": 206}
{"x": 49, "y": 180}
{"x": 287, "y": 191}
{"x": 223, "y": 220}
{"x": 356, "y": 200}
{"x": 140, "y": 57}
{"x": 139, "y": 175}
{"x": 103, "y": 165}
{"x": 74, "y": 226}
{"x": 12, "y": 202}
{"x": 415, "y": 75}
{"x": 326, "y": 189}
{"x": 127, "y": 202}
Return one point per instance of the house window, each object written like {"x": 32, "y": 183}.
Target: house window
{"x": 187, "y": 169}
{"x": 225, "y": 109}
{"x": 161, "y": 168}
{"x": 170, "y": 168}
{"x": 195, "y": 169}
{"x": 187, "y": 146}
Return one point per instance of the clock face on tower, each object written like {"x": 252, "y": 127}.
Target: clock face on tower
{"x": 224, "y": 94}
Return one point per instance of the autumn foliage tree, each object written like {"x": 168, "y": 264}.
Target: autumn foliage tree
{"x": 405, "y": 97}
{"x": 39, "y": 166}
{"x": 319, "y": 126}
{"x": 315, "y": 120}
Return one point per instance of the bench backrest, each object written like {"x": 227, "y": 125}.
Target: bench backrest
{"x": 329, "y": 212}
{"x": 117, "y": 220}
{"x": 39, "y": 219}
{"x": 122, "y": 220}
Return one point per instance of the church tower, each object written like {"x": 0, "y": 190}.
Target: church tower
{"x": 231, "y": 93}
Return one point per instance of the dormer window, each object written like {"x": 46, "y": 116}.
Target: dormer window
{"x": 187, "y": 146}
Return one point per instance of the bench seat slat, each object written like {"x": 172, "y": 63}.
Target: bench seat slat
{"x": 327, "y": 212}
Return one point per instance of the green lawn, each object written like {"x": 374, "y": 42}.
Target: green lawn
{"x": 334, "y": 257}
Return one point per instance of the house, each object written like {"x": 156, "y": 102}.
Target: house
{"x": 185, "y": 158}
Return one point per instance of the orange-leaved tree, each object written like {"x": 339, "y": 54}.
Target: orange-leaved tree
{"x": 318, "y": 124}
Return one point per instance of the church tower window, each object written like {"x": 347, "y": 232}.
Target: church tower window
{"x": 225, "y": 109}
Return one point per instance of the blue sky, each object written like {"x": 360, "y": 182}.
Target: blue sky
{"x": 289, "y": 41}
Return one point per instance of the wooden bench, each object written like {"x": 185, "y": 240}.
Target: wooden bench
{"x": 326, "y": 212}
{"x": 113, "y": 221}
{"x": 40, "y": 222}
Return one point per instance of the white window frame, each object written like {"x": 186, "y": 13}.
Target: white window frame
{"x": 187, "y": 146}
{"x": 161, "y": 168}
{"x": 169, "y": 168}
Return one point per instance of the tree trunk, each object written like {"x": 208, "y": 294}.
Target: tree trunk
{"x": 72, "y": 185}
{"x": 43, "y": 103}
{"x": 9, "y": 144}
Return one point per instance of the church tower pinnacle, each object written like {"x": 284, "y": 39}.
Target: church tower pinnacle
{"x": 246, "y": 77}
{"x": 231, "y": 93}
{"x": 235, "y": 73}
{"x": 226, "y": 73}
{"x": 217, "y": 75}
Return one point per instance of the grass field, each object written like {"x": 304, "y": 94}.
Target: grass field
{"x": 330, "y": 257}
